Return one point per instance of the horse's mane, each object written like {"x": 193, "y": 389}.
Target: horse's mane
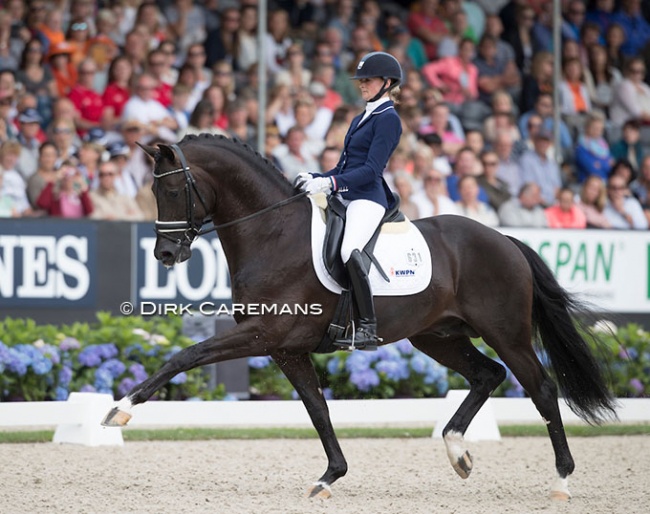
{"x": 244, "y": 150}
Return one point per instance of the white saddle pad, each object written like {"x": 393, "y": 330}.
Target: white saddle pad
{"x": 401, "y": 250}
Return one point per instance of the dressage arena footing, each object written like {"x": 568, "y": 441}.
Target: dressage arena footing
{"x": 78, "y": 419}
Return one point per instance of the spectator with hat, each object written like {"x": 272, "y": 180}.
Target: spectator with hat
{"x": 29, "y": 126}
{"x": 125, "y": 183}
{"x": 108, "y": 203}
{"x": 64, "y": 71}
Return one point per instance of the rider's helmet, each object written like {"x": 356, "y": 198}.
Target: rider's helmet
{"x": 379, "y": 64}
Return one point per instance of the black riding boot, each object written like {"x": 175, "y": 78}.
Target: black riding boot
{"x": 365, "y": 334}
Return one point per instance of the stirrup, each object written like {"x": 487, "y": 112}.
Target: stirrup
{"x": 351, "y": 345}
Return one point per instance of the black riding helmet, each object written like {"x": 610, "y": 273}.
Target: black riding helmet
{"x": 382, "y": 65}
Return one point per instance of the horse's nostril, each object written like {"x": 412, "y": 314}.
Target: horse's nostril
{"x": 166, "y": 256}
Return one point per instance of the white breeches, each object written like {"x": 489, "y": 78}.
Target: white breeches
{"x": 362, "y": 219}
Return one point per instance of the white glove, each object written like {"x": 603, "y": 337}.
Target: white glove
{"x": 318, "y": 185}
{"x": 301, "y": 179}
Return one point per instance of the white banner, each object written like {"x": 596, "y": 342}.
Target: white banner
{"x": 608, "y": 268}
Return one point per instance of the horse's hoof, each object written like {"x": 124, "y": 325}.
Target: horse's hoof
{"x": 116, "y": 418}
{"x": 320, "y": 490}
{"x": 560, "y": 496}
{"x": 560, "y": 490}
{"x": 463, "y": 465}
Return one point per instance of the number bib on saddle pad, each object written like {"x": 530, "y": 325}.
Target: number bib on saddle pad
{"x": 401, "y": 251}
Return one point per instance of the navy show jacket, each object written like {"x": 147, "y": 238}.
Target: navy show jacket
{"x": 367, "y": 148}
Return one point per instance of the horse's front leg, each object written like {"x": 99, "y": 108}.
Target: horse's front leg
{"x": 302, "y": 375}
{"x": 245, "y": 339}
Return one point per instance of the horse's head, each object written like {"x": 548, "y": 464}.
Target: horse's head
{"x": 182, "y": 205}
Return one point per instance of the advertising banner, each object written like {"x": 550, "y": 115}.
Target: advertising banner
{"x": 608, "y": 268}
{"x": 48, "y": 264}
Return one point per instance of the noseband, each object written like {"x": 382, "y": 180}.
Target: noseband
{"x": 189, "y": 228}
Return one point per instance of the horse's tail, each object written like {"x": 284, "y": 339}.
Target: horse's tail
{"x": 578, "y": 373}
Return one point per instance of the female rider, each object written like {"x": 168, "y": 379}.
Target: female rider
{"x": 358, "y": 179}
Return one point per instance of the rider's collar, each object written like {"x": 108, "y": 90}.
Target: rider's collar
{"x": 371, "y": 106}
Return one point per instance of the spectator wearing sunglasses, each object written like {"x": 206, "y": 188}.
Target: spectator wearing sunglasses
{"x": 108, "y": 203}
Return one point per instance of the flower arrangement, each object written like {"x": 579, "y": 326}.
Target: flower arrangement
{"x": 45, "y": 362}
{"x": 399, "y": 370}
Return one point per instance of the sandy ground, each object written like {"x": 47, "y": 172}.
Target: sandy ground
{"x": 271, "y": 476}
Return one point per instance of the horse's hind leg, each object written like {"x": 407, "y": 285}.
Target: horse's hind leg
{"x": 525, "y": 365}
{"x": 482, "y": 373}
{"x": 302, "y": 375}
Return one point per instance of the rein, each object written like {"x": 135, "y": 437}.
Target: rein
{"x": 191, "y": 230}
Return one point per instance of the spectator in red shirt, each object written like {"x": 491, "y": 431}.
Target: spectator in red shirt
{"x": 425, "y": 24}
{"x": 68, "y": 196}
{"x": 117, "y": 91}
{"x": 156, "y": 66}
{"x": 87, "y": 102}
{"x": 565, "y": 213}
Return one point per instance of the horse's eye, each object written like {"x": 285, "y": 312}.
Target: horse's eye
{"x": 172, "y": 194}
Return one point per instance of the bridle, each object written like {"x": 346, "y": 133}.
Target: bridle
{"x": 189, "y": 228}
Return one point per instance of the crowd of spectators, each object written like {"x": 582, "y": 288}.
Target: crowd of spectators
{"x": 82, "y": 81}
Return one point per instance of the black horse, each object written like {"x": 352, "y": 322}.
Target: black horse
{"x": 483, "y": 284}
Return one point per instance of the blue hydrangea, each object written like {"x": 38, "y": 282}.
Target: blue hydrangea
{"x": 365, "y": 380}
{"x": 333, "y": 365}
{"x": 114, "y": 367}
{"x": 359, "y": 361}
{"x": 138, "y": 372}
{"x": 259, "y": 362}
{"x": 42, "y": 366}
{"x": 388, "y": 353}
{"x": 18, "y": 362}
{"x": 69, "y": 343}
{"x": 65, "y": 376}
{"x": 327, "y": 393}
{"x": 103, "y": 379}
{"x": 181, "y": 378}
{"x": 61, "y": 394}
{"x": 90, "y": 356}
{"x": 87, "y": 388}
{"x": 125, "y": 386}
{"x": 419, "y": 362}
{"x": 134, "y": 349}
{"x": 395, "y": 370}
{"x": 51, "y": 352}
{"x": 107, "y": 351}
{"x": 405, "y": 347}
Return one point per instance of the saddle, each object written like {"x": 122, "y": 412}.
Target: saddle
{"x": 335, "y": 217}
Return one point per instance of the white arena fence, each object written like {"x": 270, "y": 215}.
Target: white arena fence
{"x": 78, "y": 419}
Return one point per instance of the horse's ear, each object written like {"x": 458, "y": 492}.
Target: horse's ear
{"x": 149, "y": 150}
{"x": 167, "y": 152}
